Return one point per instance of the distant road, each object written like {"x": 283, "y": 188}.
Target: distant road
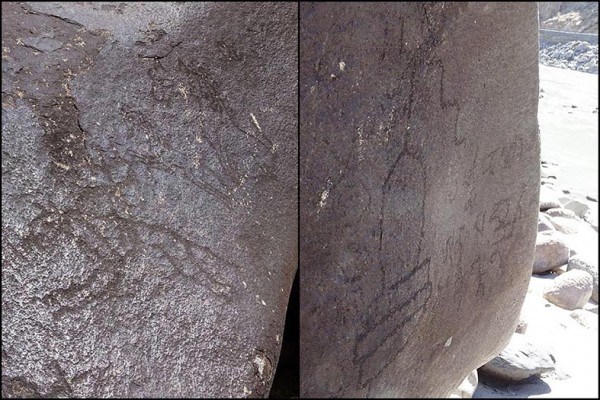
{"x": 549, "y": 37}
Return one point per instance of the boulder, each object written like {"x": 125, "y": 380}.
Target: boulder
{"x": 544, "y": 223}
{"x": 519, "y": 360}
{"x": 578, "y": 207}
{"x": 419, "y": 196}
{"x": 547, "y": 171}
{"x": 569, "y": 224}
{"x": 549, "y": 198}
{"x": 564, "y": 200}
{"x": 579, "y": 236}
{"x": 588, "y": 265}
{"x": 551, "y": 251}
{"x": 561, "y": 212}
{"x": 549, "y": 183}
{"x": 149, "y": 197}
{"x": 570, "y": 290}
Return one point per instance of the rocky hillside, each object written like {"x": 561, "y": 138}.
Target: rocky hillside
{"x": 575, "y": 55}
{"x": 579, "y": 53}
{"x": 580, "y": 16}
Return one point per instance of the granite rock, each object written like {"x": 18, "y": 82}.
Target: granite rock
{"x": 419, "y": 196}
{"x": 519, "y": 360}
{"x": 149, "y": 197}
{"x": 570, "y": 290}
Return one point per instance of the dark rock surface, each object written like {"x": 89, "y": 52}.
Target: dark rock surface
{"x": 149, "y": 197}
{"x": 419, "y": 166}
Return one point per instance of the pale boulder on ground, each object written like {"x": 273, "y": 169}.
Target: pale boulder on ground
{"x": 573, "y": 345}
{"x": 580, "y": 236}
{"x": 560, "y": 212}
{"x": 568, "y": 223}
{"x": 519, "y": 360}
{"x": 549, "y": 198}
{"x": 570, "y": 290}
{"x": 578, "y": 207}
{"x": 550, "y": 183}
{"x": 547, "y": 173}
{"x": 551, "y": 251}
{"x": 466, "y": 389}
{"x": 544, "y": 223}
{"x": 564, "y": 200}
{"x": 586, "y": 264}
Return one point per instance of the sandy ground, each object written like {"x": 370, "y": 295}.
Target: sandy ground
{"x": 569, "y": 137}
{"x": 573, "y": 345}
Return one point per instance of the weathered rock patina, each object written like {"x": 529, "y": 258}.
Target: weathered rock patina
{"x": 419, "y": 184}
{"x": 149, "y": 197}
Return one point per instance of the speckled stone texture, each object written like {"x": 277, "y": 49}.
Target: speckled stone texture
{"x": 149, "y": 197}
{"x": 419, "y": 167}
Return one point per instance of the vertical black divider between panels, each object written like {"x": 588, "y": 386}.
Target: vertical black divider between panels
{"x": 286, "y": 383}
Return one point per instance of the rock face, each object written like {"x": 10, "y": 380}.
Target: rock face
{"x": 589, "y": 266}
{"x": 551, "y": 251}
{"x": 149, "y": 218}
{"x": 570, "y": 16}
{"x": 570, "y": 290}
{"x": 419, "y": 191}
{"x": 519, "y": 360}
